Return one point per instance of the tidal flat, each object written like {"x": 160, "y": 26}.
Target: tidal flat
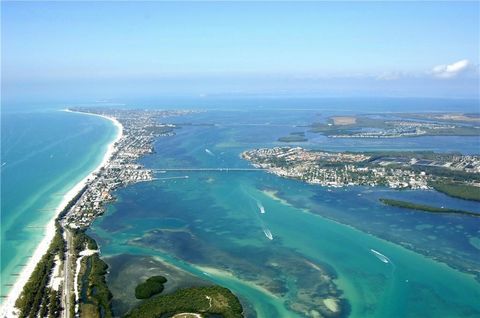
{"x": 280, "y": 273}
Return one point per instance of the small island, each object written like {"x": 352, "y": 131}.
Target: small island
{"x": 298, "y": 136}
{"x": 193, "y": 302}
{"x": 425, "y": 208}
{"x": 152, "y": 286}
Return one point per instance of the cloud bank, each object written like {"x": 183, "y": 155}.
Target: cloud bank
{"x": 450, "y": 70}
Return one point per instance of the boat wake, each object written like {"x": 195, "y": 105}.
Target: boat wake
{"x": 380, "y": 256}
{"x": 257, "y": 216}
{"x": 268, "y": 234}
{"x": 172, "y": 178}
{"x": 209, "y": 152}
{"x": 261, "y": 207}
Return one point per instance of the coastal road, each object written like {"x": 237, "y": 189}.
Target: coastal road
{"x": 208, "y": 169}
{"x": 67, "y": 278}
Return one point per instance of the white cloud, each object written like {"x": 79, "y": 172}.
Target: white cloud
{"x": 450, "y": 70}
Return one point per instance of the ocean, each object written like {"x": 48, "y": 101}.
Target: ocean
{"x": 45, "y": 152}
{"x": 281, "y": 245}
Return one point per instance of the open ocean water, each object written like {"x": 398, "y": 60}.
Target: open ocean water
{"x": 309, "y": 242}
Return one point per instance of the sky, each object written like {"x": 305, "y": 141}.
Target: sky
{"x": 117, "y": 49}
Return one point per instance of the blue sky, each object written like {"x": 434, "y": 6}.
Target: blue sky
{"x": 323, "y": 48}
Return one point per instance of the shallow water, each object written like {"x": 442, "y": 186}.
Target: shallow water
{"x": 44, "y": 154}
{"x": 211, "y": 226}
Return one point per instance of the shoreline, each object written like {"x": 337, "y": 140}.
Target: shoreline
{"x": 8, "y": 305}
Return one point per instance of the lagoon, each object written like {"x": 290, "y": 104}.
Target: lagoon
{"x": 210, "y": 225}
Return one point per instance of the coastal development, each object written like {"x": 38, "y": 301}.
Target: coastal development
{"x": 52, "y": 283}
{"x": 398, "y": 126}
{"x": 240, "y": 159}
{"x": 140, "y": 129}
{"x": 68, "y": 278}
{"x": 408, "y": 170}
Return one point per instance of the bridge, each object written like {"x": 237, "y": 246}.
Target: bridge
{"x": 207, "y": 169}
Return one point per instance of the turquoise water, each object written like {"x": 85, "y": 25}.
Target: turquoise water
{"x": 210, "y": 224}
{"x": 44, "y": 154}
{"x": 212, "y": 220}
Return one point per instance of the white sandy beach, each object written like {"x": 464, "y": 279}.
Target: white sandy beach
{"x": 8, "y": 305}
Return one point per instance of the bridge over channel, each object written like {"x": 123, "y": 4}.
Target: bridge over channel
{"x": 207, "y": 169}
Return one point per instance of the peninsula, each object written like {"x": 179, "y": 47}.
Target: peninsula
{"x": 398, "y": 125}
{"x": 425, "y": 208}
{"x": 400, "y": 170}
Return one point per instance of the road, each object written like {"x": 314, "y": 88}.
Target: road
{"x": 208, "y": 169}
{"x": 67, "y": 278}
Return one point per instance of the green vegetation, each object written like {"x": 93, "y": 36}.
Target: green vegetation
{"x": 82, "y": 240}
{"x": 160, "y": 130}
{"x": 426, "y": 208}
{"x": 456, "y": 190}
{"x": 33, "y": 297}
{"x": 58, "y": 243}
{"x": 97, "y": 302}
{"x": 457, "y": 131}
{"x": 298, "y": 136}
{"x": 51, "y": 304}
{"x": 36, "y": 298}
{"x": 447, "y": 117}
{"x": 152, "y": 286}
{"x": 54, "y": 306}
{"x": 209, "y": 300}
{"x": 71, "y": 310}
{"x": 71, "y": 203}
{"x": 44, "y": 308}
{"x": 329, "y": 128}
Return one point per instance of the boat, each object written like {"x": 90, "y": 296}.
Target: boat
{"x": 209, "y": 152}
